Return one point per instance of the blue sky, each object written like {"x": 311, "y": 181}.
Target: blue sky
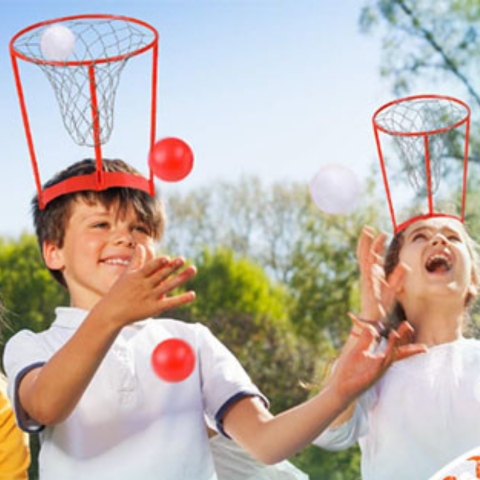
{"x": 272, "y": 88}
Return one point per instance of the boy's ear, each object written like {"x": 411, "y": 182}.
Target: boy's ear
{"x": 53, "y": 255}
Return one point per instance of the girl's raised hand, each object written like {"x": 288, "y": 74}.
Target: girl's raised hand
{"x": 377, "y": 293}
{"x": 358, "y": 367}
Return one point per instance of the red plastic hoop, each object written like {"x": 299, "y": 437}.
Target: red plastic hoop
{"x": 99, "y": 180}
{"x": 425, "y": 134}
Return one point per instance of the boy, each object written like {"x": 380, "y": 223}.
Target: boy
{"x": 86, "y": 382}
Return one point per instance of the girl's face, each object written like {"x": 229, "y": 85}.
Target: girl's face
{"x": 437, "y": 252}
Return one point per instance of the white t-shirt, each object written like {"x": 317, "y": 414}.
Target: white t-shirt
{"x": 423, "y": 413}
{"x": 234, "y": 463}
{"x": 129, "y": 424}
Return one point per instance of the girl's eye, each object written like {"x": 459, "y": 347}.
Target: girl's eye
{"x": 419, "y": 236}
{"x": 454, "y": 238}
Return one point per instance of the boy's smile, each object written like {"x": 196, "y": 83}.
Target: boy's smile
{"x": 98, "y": 246}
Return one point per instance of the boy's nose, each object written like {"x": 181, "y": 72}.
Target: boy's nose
{"x": 124, "y": 238}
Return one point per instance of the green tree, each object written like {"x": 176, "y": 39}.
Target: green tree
{"x": 29, "y": 293}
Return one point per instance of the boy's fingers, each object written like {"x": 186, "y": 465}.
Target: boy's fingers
{"x": 175, "y": 282}
{"x": 168, "y": 303}
{"x": 155, "y": 265}
{"x": 166, "y": 270}
{"x": 138, "y": 258}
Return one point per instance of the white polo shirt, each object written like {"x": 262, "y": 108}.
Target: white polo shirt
{"x": 129, "y": 424}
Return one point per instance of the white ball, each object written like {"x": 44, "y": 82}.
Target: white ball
{"x": 57, "y": 43}
{"x": 335, "y": 189}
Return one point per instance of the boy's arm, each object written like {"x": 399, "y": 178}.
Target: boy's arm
{"x": 49, "y": 394}
{"x": 271, "y": 439}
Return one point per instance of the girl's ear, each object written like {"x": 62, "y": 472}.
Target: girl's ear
{"x": 53, "y": 255}
{"x": 473, "y": 287}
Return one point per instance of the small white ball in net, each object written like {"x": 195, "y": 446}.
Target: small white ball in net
{"x": 57, "y": 43}
{"x": 335, "y": 189}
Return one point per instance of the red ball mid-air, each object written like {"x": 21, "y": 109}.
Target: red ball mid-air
{"x": 173, "y": 360}
{"x": 171, "y": 159}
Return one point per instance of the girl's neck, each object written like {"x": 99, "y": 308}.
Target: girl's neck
{"x": 436, "y": 324}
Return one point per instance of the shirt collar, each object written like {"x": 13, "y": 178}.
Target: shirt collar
{"x": 72, "y": 317}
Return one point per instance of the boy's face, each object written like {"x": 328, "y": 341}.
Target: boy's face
{"x": 97, "y": 248}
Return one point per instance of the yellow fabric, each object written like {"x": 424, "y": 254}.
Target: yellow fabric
{"x": 14, "y": 454}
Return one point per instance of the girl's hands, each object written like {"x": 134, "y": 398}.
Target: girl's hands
{"x": 377, "y": 293}
{"x": 358, "y": 367}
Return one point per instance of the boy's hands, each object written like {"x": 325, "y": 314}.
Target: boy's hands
{"x": 377, "y": 293}
{"x": 358, "y": 368}
{"x": 141, "y": 290}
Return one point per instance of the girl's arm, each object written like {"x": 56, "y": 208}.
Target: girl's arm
{"x": 271, "y": 439}
{"x": 377, "y": 293}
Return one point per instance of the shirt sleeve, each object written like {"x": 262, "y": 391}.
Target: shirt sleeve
{"x": 347, "y": 434}
{"x": 23, "y": 352}
{"x": 224, "y": 381}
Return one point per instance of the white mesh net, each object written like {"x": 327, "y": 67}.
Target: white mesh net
{"x": 422, "y": 118}
{"x": 96, "y": 40}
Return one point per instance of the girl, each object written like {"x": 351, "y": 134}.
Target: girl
{"x": 425, "y": 410}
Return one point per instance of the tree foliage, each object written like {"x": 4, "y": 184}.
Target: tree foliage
{"x": 429, "y": 41}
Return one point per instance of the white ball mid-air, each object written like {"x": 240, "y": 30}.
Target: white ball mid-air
{"x": 57, "y": 43}
{"x": 335, "y": 189}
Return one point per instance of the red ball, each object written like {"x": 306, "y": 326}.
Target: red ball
{"x": 171, "y": 159}
{"x": 173, "y": 360}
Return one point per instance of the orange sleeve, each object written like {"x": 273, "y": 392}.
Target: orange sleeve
{"x": 14, "y": 453}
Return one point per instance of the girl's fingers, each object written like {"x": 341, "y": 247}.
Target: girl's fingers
{"x": 405, "y": 351}
{"x": 364, "y": 245}
{"x": 406, "y": 333}
{"x": 368, "y": 335}
{"x": 390, "y": 351}
{"x": 378, "y": 245}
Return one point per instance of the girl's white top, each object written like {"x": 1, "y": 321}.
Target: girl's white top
{"x": 423, "y": 413}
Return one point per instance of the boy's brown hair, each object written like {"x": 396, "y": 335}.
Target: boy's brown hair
{"x": 51, "y": 222}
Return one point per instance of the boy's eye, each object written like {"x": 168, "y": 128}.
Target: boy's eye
{"x": 142, "y": 229}
{"x": 100, "y": 225}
